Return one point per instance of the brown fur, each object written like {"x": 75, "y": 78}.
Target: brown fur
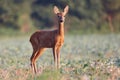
{"x": 49, "y": 39}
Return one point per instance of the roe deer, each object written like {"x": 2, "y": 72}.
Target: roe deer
{"x": 49, "y": 39}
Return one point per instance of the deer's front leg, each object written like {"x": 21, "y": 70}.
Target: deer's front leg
{"x": 55, "y": 57}
{"x": 58, "y": 57}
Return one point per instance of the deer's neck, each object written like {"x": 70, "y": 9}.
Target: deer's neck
{"x": 61, "y": 29}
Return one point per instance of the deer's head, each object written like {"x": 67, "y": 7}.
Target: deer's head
{"x": 61, "y": 15}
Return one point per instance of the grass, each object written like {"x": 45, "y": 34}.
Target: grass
{"x": 83, "y": 57}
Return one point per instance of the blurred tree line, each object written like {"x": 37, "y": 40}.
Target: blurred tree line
{"x": 84, "y": 15}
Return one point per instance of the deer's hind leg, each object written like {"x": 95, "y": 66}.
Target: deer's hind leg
{"x": 32, "y": 59}
{"x": 37, "y": 55}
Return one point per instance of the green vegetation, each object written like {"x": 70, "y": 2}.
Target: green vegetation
{"x": 85, "y": 16}
{"x": 90, "y": 57}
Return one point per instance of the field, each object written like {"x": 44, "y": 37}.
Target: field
{"x": 83, "y": 57}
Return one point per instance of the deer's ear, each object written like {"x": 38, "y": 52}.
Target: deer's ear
{"x": 66, "y": 10}
{"x": 56, "y": 10}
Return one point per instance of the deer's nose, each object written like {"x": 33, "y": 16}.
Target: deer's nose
{"x": 61, "y": 20}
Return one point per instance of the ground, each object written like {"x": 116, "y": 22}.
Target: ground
{"x": 83, "y": 57}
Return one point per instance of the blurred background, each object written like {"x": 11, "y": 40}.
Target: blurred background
{"x": 84, "y": 17}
